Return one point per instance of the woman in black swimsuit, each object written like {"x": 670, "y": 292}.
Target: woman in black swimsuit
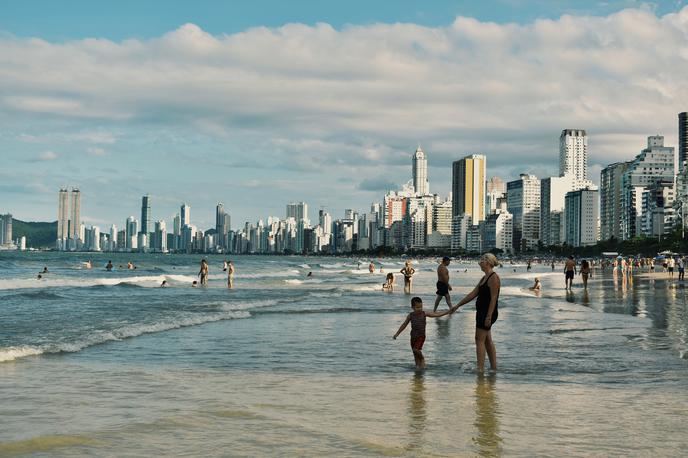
{"x": 487, "y": 305}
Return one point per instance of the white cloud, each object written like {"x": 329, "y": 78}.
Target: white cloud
{"x": 47, "y": 156}
{"x": 356, "y": 101}
{"x": 94, "y": 151}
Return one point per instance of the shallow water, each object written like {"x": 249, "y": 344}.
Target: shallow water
{"x": 98, "y": 363}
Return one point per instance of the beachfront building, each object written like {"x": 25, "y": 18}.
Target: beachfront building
{"x": 297, "y": 210}
{"x": 582, "y": 214}
{"x": 131, "y": 227}
{"x": 68, "y": 222}
{"x": 654, "y": 164}
{"x": 421, "y": 186}
{"x": 468, "y": 187}
{"x": 159, "y": 242}
{"x": 460, "y": 225}
{"x": 185, "y": 214}
{"x": 495, "y": 189}
{"x": 658, "y": 214}
{"x": 146, "y": 227}
{"x": 6, "y": 230}
{"x": 611, "y": 193}
{"x": 497, "y": 231}
{"x": 222, "y": 226}
{"x": 441, "y": 228}
{"x": 523, "y": 202}
{"x": 682, "y": 140}
{"x": 573, "y": 154}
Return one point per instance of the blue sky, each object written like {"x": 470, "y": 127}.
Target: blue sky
{"x": 256, "y": 104}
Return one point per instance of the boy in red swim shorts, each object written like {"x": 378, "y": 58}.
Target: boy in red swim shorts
{"x": 417, "y": 320}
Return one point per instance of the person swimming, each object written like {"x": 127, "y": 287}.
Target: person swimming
{"x": 163, "y": 284}
{"x": 108, "y": 267}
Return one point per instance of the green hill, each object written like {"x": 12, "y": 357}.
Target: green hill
{"x": 38, "y": 235}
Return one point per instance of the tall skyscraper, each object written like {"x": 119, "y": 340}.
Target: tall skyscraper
{"x": 62, "y": 218}
{"x": 523, "y": 202}
{"x": 145, "y": 215}
{"x": 468, "y": 187}
{"x": 221, "y": 225}
{"x": 611, "y": 193}
{"x": 682, "y": 140}
{"x": 75, "y": 215}
{"x": 6, "y": 229}
{"x": 420, "y": 173}
{"x": 132, "y": 228}
{"x": 297, "y": 210}
{"x": 573, "y": 153}
{"x": 186, "y": 215}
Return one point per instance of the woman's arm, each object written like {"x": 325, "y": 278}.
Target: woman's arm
{"x": 469, "y": 297}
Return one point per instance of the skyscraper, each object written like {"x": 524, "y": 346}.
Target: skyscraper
{"x": 186, "y": 214}
{"x": 221, "y": 225}
{"x": 297, "y": 210}
{"x": 573, "y": 153}
{"x": 62, "y": 218}
{"x": 654, "y": 163}
{"x": 682, "y": 140}
{"x": 75, "y": 215}
{"x": 6, "y": 229}
{"x": 145, "y": 215}
{"x": 468, "y": 187}
{"x": 611, "y": 193}
{"x": 420, "y": 173}
{"x": 523, "y": 202}
{"x": 582, "y": 214}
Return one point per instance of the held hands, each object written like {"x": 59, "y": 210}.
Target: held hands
{"x": 488, "y": 322}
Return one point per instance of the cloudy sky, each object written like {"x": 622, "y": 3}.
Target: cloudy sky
{"x": 259, "y": 104}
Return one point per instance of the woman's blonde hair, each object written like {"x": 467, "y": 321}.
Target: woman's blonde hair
{"x": 491, "y": 259}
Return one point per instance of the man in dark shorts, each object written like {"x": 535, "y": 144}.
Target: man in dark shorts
{"x": 443, "y": 286}
{"x": 569, "y": 272}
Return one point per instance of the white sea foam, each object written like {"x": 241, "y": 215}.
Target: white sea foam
{"x": 52, "y": 282}
{"x": 234, "y": 306}
{"x": 125, "y": 332}
{"x": 12, "y": 353}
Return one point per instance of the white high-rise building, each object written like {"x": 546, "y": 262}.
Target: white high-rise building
{"x": 113, "y": 238}
{"x": 582, "y": 216}
{"x": 94, "y": 239}
{"x": 421, "y": 186}
{"x": 497, "y": 231}
{"x": 186, "y": 214}
{"x": 297, "y": 210}
{"x": 523, "y": 202}
{"x": 62, "y": 219}
{"x": 160, "y": 234}
{"x": 573, "y": 153}
{"x": 132, "y": 229}
{"x": 655, "y": 163}
{"x": 75, "y": 215}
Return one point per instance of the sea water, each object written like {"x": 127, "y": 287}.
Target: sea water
{"x": 97, "y": 363}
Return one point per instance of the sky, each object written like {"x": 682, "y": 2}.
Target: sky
{"x": 257, "y": 104}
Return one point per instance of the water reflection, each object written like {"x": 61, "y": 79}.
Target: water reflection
{"x": 417, "y": 412}
{"x": 443, "y": 327}
{"x": 487, "y": 415}
{"x": 570, "y": 297}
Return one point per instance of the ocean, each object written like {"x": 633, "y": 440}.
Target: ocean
{"x": 96, "y": 363}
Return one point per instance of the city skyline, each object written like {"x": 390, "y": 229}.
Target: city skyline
{"x": 289, "y": 109}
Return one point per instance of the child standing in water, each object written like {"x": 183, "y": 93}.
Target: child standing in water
{"x": 417, "y": 320}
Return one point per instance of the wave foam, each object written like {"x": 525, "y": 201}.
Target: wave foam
{"x": 125, "y": 332}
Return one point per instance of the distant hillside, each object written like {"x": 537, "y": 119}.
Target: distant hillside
{"x": 38, "y": 235}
